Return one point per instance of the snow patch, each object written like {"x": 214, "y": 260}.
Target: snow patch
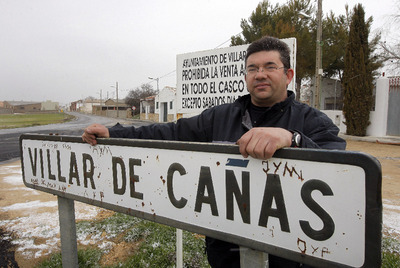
{"x": 8, "y": 169}
{"x": 30, "y": 205}
{"x": 14, "y": 180}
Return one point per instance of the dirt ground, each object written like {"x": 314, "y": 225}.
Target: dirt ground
{"x": 388, "y": 155}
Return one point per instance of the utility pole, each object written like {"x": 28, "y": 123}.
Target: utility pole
{"x": 117, "y": 105}
{"x": 101, "y": 102}
{"x": 116, "y": 88}
{"x": 318, "y": 58}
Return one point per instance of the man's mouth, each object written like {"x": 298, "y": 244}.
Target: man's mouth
{"x": 262, "y": 85}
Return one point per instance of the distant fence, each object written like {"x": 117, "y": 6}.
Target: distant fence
{"x": 317, "y": 207}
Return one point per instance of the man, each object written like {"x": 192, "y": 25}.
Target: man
{"x": 265, "y": 120}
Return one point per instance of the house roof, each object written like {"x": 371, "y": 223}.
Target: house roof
{"x": 150, "y": 98}
{"x": 20, "y": 103}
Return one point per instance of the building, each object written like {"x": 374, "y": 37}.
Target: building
{"x": 166, "y": 105}
{"x": 384, "y": 117}
{"x": 112, "y": 108}
{"x": 50, "y": 106}
{"x": 75, "y": 106}
{"x": 22, "y": 106}
{"x": 147, "y": 109}
{"x": 331, "y": 95}
{"x": 86, "y": 106}
{"x": 4, "y": 110}
{"x": 159, "y": 108}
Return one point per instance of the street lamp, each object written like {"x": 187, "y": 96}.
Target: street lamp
{"x": 156, "y": 79}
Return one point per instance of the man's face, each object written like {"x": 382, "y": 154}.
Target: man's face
{"x": 267, "y": 86}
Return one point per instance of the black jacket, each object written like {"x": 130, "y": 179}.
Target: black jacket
{"x": 229, "y": 122}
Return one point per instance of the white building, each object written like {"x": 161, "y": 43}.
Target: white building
{"x": 50, "y": 106}
{"x": 165, "y": 103}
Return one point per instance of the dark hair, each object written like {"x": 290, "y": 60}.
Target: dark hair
{"x": 269, "y": 43}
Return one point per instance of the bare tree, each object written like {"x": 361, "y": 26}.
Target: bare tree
{"x": 390, "y": 47}
{"x": 139, "y": 93}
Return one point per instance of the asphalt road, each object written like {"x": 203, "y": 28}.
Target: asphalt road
{"x": 9, "y": 138}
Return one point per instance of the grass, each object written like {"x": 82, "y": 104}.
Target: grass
{"x": 155, "y": 244}
{"x": 27, "y": 120}
{"x": 390, "y": 252}
{"x": 86, "y": 258}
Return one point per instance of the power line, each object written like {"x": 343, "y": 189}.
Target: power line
{"x": 229, "y": 40}
{"x": 165, "y": 75}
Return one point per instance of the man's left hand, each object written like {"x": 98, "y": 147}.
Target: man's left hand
{"x": 262, "y": 142}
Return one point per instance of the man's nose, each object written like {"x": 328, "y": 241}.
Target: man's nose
{"x": 261, "y": 74}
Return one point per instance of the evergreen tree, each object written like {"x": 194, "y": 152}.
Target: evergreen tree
{"x": 287, "y": 21}
{"x": 335, "y": 36}
{"x": 283, "y": 22}
{"x": 357, "y": 75}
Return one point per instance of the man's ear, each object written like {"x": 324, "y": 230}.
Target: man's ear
{"x": 289, "y": 75}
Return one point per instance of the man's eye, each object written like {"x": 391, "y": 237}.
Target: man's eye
{"x": 270, "y": 68}
{"x": 252, "y": 70}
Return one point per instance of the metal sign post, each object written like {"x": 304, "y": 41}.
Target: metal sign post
{"x": 69, "y": 249}
{"x": 317, "y": 207}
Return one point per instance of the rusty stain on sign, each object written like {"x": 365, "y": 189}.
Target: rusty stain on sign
{"x": 272, "y": 231}
{"x": 359, "y": 215}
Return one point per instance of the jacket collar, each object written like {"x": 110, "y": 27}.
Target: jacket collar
{"x": 244, "y": 101}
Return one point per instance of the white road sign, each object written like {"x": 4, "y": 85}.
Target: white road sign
{"x": 213, "y": 77}
{"x": 317, "y": 207}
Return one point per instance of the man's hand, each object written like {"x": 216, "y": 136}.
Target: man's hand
{"x": 93, "y": 132}
{"x": 262, "y": 142}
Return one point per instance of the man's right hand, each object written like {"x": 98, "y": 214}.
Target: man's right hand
{"x": 93, "y": 132}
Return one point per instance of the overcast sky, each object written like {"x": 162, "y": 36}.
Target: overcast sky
{"x": 68, "y": 50}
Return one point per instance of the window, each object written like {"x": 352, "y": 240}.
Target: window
{"x": 171, "y": 105}
{"x": 157, "y": 105}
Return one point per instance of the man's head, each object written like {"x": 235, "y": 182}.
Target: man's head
{"x": 268, "y": 71}
{"x": 269, "y": 43}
